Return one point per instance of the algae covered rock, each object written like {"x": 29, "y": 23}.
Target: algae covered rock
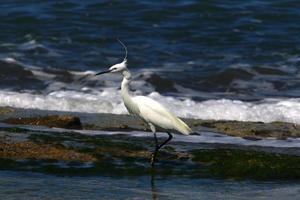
{"x": 66, "y": 152}
{"x": 31, "y": 150}
{"x": 59, "y": 121}
{"x": 240, "y": 164}
{"x": 280, "y": 130}
{"x": 113, "y": 122}
{"x": 6, "y": 110}
{"x": 69, "y": 153}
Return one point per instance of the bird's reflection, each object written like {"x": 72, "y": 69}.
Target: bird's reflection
{"x": 153, "y": 187}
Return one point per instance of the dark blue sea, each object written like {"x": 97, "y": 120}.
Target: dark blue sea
{"x": 234, "y": 60}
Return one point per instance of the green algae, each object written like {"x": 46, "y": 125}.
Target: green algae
{"x": 240, "y": 164}
{"x": 15, "y": 130}
{"x": 121, "y": 155}
{"x": 117, "y": 155}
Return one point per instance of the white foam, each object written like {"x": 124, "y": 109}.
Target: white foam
{"x": 110, "y": 101}
{"x": 268, "y": 110}
{"x": 62, "y": 101}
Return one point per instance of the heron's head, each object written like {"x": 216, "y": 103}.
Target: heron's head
{"x": 120, "y": 67}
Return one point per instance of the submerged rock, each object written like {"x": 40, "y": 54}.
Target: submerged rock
{"x": 14, "y": 75}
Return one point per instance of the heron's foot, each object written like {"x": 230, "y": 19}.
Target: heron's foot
{"x": 152, "y": 159}
{"x": 195, "y": 133}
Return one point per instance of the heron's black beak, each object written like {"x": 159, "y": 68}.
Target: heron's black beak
{"x": 104, "y": 72}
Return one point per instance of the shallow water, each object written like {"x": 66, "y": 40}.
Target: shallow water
{"x": 26, "y": 185}
{"x": 72, "y": 180}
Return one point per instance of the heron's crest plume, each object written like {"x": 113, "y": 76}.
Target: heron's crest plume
{"x": 125, "y": 48}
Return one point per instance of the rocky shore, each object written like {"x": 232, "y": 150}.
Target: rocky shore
{"x": 69, "y": 153}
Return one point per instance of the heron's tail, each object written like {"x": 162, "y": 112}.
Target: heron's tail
{"x": 183, "y": 127}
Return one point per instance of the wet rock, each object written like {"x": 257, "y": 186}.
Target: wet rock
{"x": 253, "y": 138}
{"x": 113, "y": 122}
{"x": 67, "y": 122}
{"x": 240, "y": 164}
{"x": 30, "y": 150}
{"x": 119, "y": 155}
{"x": 14, "y": 75}
{"x": 161, "y": 84}
{"x": 66, "y": 153}
{"x": 255, "y": 130}
{"x": 6, "y": 110}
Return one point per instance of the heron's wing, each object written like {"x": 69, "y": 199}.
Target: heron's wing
{"x": 155, "y": 113}
{"x": 146, "y": 103}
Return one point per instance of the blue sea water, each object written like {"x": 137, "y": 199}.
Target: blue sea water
{"x": 234, "y": 49}
{"x": 241, "y": 57}
{"x": 20, "y": 185}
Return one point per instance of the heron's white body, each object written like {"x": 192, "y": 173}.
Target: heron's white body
{"x": 150, "y": 111}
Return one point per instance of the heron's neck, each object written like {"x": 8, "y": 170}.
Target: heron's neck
{"x": 125, "y": 85}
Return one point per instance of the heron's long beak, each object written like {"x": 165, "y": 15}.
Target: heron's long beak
{"x": 104, "y": 72}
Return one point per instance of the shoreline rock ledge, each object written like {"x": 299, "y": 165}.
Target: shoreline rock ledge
{"x": 70, "y": 153}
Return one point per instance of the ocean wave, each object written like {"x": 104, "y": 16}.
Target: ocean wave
{"x": 59, "y": 89}
{"x": 109, "y": 101}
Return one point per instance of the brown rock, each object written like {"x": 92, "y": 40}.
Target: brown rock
{"x": 68, "y": 122}
{"x": 31, "y": 150}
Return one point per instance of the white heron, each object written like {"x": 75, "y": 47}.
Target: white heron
{"x": 150, "y": 111}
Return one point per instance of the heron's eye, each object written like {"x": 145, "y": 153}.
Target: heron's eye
{"x": 113, "y": 69}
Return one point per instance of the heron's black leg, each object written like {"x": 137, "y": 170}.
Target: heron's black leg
{"x": 157, "y": 147}
{"x": 165, "y": 142}
{"x": 156, "y": 141}
{"x": 153, "y": 155}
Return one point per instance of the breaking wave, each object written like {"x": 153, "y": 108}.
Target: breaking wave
{"x": 109, "y": 101}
